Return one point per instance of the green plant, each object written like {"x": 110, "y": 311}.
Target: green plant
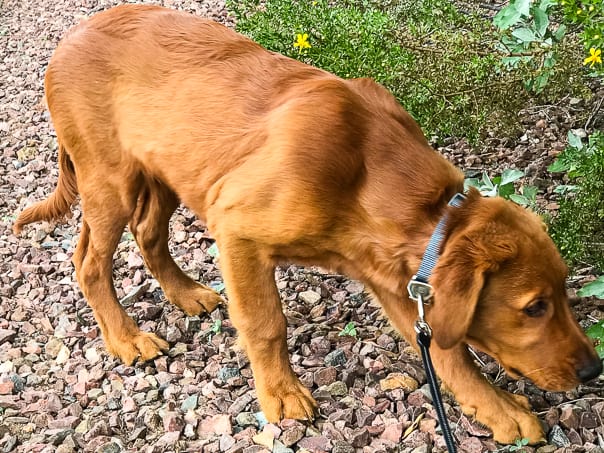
{"x": 216, "y": 326}
{"x": 595, "y": 288}
{"x": 578, "y": 228}
{"x": 596, "y": 332}
{"x": 437, "y": 61}
{"x": 519, "y": 445}
{"x": 528, "y": 38}
{"x": 588, "y": 17}
{"x": 503, "y": 186}
{"x": 349, "y": 330}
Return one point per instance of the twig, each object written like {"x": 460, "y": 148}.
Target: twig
{"x": 594, "y": 113}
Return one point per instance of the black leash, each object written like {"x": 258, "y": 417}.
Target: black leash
{"x": 420, "y": 291}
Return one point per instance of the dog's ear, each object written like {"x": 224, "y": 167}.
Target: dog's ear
{"x": 459, "y": 277}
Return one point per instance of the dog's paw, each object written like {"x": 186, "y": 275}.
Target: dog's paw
{"x": 196, "y": 300}
{"x": 288, "y": 400}
{"x": 510, "y": 419}
{"x": 142, "y": 346}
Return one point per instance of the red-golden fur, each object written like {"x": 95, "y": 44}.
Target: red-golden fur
{"x": 286, "y": 162}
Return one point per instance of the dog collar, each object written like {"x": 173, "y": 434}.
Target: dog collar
{"x": 418, "y": 287}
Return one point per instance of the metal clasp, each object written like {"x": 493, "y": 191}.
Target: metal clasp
{"x": 421, "y": 293}
{"x": 419, "y": 289}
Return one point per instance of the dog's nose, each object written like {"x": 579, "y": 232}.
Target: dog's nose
{"x": 590, "y": 370}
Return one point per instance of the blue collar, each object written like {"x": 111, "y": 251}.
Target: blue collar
{"x": 418, "y": 286}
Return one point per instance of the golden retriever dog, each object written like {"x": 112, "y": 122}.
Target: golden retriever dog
{"x": 288, "y": 163}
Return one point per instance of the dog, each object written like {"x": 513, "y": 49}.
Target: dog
{"x": 154, "y": 107}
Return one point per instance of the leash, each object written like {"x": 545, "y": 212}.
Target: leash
{"x": 421, "y": 291}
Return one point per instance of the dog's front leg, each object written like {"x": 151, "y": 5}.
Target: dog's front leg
{"x": 255, "y": 310}
{"x": 507, "y": 415}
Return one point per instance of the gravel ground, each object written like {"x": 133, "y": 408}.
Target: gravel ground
{"x": 60, "y": 391}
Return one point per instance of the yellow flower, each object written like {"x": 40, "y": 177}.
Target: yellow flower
{"x": 579, "y": 11}
{"x": 594, "y": 57}
{"x": 302, "y": 42}
{"x": 591, "y": 7}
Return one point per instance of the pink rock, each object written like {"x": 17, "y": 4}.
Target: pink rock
{"x": 392, "y": 432}
{"x": 129, "y": 405}
{"x": 471, "y": 445}
{"x": 217, "y": 424}
{"x": 173, "y": 422}
{"x": 6, "y": 388}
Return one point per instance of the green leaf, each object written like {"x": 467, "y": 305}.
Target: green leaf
{"x": 574, "y": 140}
{"x": 595, "y": 288}
{"x": 217, "y": 286}
{"x": 217, "y": 326}
{"x": 471, "y": 182}
{"x": 541, "y": 21}
{"x": 486, "y": 181}
{"x": 563, "y": 189}
{"x": 596, "y": 332}
{"x": 523, "y": 6}
{"x": 348, "y": 330}
{"x": 510, "y": 175}
{"x": 540, "y": 82}
{"x": 560, "y": 32}
{"x": 544, "y": 5}
{"x": 558, "y": 166}
{"x": 213, "y": 251}
{"x": 549, "y": 61}
{"x": 524, "y": 34}
{"x": 519, "y": 199}
{"x": 507, "y": 17}
{"x": 505, "y": 190}
{"x": 530, "y": 192}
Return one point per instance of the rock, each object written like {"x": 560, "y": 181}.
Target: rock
{"x": 399, "y": 381}
{"x": 340, "y": 446}
{"x": 266, "y": 438}
{"x": 335, "y": 358}
{"x": 226, "y": 442}
{"x": 354, "y": 288}
{"x": 6, "y": 388}
{"x": 309, "y": 297}
{"x": 359, "y": 437}
{"x": 325, "y": 376}
{"x": 557, "y": 437}
{"x": 216, "y": 424}
{"x": 226, "y": 373}
{"x": 53, "y": 347}
{"x": 292, "y": 434}
{"x": 7, "y": 335}
{"x": 278, "y": 447}
{"x": 392, "y": 432}
{"x": 471, "y": 445}
{"x": 337, "y": 388}
{"x": 109, "y": 447}
{"x": 246, "y": 419}
{"x": 68, "y": 422}
{"x": 173, "y": 421}
{"x": 190, "y": 403}
{"x": 569, "y": 418}
{"x": 315, "y": 444}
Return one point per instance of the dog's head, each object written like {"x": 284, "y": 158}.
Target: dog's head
{"x": 500, "y": 285}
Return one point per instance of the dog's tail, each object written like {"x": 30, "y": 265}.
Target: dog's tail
{"x": 58, "y": 204}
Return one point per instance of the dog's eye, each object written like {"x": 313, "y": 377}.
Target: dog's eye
{"x": 536, "y": 309}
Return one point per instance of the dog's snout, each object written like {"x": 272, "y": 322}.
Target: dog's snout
{"x": 589, "y": 370}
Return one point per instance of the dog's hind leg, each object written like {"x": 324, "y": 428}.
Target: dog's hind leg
{"x": 103, "y": 222}
{"x": 149, "y": 225}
